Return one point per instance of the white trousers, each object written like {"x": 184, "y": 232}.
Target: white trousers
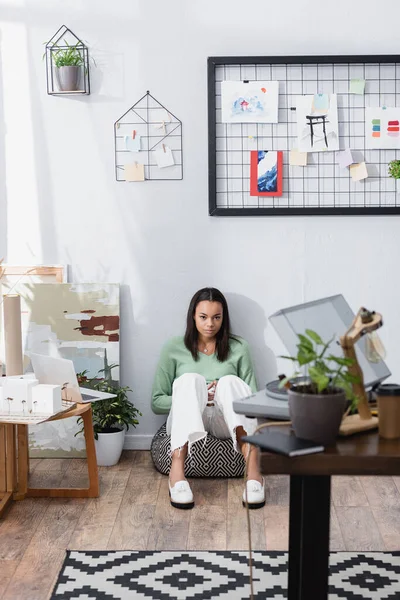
{"x": 190, "y": 418}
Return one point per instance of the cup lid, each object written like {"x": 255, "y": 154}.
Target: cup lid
{"x": 388, "y": 389}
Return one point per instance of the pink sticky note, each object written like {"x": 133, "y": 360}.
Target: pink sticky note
{"x": 344, "y": 158}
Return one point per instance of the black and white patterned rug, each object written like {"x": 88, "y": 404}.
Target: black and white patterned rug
{"x": 218, "y": 575}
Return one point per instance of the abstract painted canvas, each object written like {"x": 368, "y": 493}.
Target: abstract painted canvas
{"x": 265, "y": 173}
{"x": 249, "y": 102}
{"x": 78, "y": 321}
{"x": 317, "y": 123}
{"x": 382, "y": 128}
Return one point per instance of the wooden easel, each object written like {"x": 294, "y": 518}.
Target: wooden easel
{"x": 364, "y": 322}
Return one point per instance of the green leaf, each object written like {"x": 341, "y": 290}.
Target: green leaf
{"x": 345, "y": 362}
{"x": 304, "y": 357}
{"x": 305, "y": 341}
{"x": 283, "y": 382}
{"x": 319, "y": 378}
{"x": 314, "y": 336}
{"x": 288, "y": 358}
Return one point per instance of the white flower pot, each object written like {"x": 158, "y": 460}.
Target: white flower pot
{"x": 109, "y": 447}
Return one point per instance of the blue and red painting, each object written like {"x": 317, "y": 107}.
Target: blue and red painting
{"x": 266, "y": 173}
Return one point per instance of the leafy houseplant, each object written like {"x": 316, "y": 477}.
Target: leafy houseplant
{"x": 111, "y": 417}
{"x": 318, "y": 399}
{"x": 394, "y": 169}
{"x": 68, "y": 61}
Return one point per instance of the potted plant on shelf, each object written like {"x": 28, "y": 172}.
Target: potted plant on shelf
{"x": 111, "y": 417}
{"x": 318, "y": 397}
{"x": 69, "y": 63}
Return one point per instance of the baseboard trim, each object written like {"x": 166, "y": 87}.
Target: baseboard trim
{"x": 138, "y": 442}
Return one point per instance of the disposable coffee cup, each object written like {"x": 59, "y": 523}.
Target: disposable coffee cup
{"x": 388, "y": 397}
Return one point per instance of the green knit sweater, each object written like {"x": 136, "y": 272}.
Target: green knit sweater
{"x": 176, "y": 360}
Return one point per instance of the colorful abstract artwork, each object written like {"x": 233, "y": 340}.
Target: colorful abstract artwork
{"x": 382, "y": 128}
{"x": 266, "y": 173}
{"x": 78, "y": 321}
{"x": 317, "y": 123}
{"x": 249, "y": 102}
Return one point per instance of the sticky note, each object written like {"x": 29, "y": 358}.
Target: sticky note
{"x": 357, "y": 86}
{"x": 321, "y": 102}
{"x": 133, "y": 145}
{"x": 164, "y": 157}
{"x": 358, "y": 171}
{"x": 344, "y": 158}
{"x": 134, "y": 172}
{"x": 297, "y": 158}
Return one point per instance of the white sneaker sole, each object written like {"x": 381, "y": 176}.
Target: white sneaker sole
{"x": 184, "y": 506}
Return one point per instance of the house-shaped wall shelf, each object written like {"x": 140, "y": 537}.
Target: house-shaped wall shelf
{"x": 67, "y": 64}
{"x": 148, "y": 137}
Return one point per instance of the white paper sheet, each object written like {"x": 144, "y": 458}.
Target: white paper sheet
{"x": 317, "y": 123}
{"x": 164, "y": 157}
{"x": 252, "y": 102}
{"x": 382, "y": 128}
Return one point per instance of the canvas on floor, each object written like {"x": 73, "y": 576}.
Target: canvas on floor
{"x": 78, "y": 321}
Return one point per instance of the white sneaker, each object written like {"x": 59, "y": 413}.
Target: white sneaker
{"x": 255, "y": 494}
{"x": 181, "y": 495}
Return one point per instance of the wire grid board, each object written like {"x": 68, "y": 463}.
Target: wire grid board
{"x": 322, "y": 187}
{"x": 157, "y": 127}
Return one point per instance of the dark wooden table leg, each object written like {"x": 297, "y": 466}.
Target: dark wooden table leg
{"x": 309, "y": 537}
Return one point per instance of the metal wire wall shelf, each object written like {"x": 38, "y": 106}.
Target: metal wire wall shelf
{"x": 60, "y": 81}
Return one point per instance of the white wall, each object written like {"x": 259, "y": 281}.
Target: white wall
{"x": 61, "y": 204}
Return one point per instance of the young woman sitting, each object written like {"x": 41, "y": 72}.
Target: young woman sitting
{"x": 197, "y": 379}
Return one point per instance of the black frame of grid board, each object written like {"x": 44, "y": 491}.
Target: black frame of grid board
{"x": 244, "y": 61}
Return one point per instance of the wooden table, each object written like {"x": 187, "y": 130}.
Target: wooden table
{"x": 310, "y": 494}
{"x": 14, "y": 462}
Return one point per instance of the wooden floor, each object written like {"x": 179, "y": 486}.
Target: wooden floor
{"x": 133, "y": 512}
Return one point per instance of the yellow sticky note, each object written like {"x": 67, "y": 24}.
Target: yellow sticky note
{"x": 357, "y": 86}
{"x": 358, "y": 171}
{"x": 297, "y": 158}
{"x": 134, "y": 172}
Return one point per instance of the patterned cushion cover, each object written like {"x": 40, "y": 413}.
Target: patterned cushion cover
{"x": 214, "y": 458}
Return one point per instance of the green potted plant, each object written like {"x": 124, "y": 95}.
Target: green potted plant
{"x": 111, "y": 417}
{"x": 69, "y": 63}
{"x": 394, "y": 169}
{"x": 318, "y": 396}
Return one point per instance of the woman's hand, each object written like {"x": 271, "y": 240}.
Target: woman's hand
{"x": 211, "y": 392}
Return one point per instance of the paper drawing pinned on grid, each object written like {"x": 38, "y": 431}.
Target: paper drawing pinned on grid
{"x": 317, "y": 123}
{"x": 382, "y": 127}
{"x": 265, "y": 173}
{"x": 132, "y": 142}
{"x": 157, "y": 128}
{"x": 164, "y": 157}
{"x": 249, "y": 102}
{"x": 134, "y": 172}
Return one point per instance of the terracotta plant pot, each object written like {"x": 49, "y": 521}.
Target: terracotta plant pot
{"x": 316, "y": 417}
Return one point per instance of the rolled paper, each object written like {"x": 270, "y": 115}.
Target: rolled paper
{"x": 13, "y": 334}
